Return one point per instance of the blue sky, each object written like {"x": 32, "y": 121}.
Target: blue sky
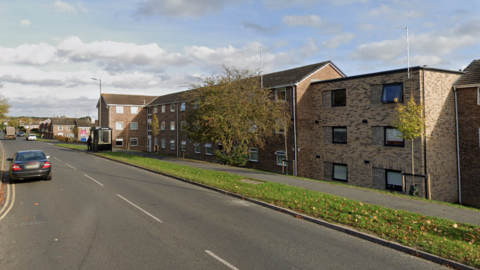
{"x": 50, "y": 49}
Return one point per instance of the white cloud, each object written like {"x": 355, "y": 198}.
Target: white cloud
{"x": 309, "y": 48}
{"x": 279, "y": 4}
{"x": 60, "y": 6}
{"x": 306, "y": 20}
{"x": 182, "y": 8}
{"x": 25, "y": 23}
{"x": 339, "y": 40}
{"x": 29, "y": 54}
{"x": 271, "y": 30}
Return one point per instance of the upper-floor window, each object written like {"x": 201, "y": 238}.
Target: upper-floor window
{"x": 339, "y": 134}
{"x": 155, "y": 109}
{"x": 119, "y": 109}
{"x": 69, "y": 128}
{"x": 339, "y": 97}
{"x": 281, "y": 94}
{"x": 172, "y": 107}
{"x": 183, "y": 106}
{"x": 134, "y": 126}
{"x": 163, "y": 108}
{"x": 280, "y": 126}
{"x": 183, "y": 125}
{"x": 162, "y": 125}
{"x": 392, "y": 93}
{"x": 60, "y": 128}
{"x": 393, "y": 137}
{"x": 172, "y": 125}
{"x": 133, "y": 110}
{"x": 119, "y": 126}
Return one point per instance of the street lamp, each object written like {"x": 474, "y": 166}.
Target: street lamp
{"x": 100, "y": 103}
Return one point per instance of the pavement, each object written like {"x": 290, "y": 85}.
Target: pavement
{"x": 371, "y": 197}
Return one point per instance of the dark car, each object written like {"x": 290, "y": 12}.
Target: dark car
{"x": 21, "y": 134}
{"x": 30, "y": 164}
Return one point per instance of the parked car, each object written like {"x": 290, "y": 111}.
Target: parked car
{"x": 21, "y": 134}
{"x": 31, "y": 137}
{"x": 30, "y": 164}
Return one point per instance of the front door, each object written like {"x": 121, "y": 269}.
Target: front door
{"x": 149, "y": 144}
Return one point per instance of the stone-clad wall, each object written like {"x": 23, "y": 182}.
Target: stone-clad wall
{"x": 441, "y": 136}
{"x": 365, "y": 117}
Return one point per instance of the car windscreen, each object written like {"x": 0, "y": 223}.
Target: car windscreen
{"x": 30, "y": 156}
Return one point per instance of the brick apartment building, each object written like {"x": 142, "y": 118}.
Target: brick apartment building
{"x": 354, "y": 141}
{"x": 468, "y": 113}
{"x": 127, "y": 116}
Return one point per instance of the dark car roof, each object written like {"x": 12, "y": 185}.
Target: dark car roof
{"x": 29, "y": 151}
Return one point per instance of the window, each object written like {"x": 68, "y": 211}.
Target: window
{"x": 208, "y": 149}
{"x": 60, "y": 128}
{"x": 172, "y": 144}
{"x": 118, "y": 142}
{"x": 183, "y": 106}
{"x": 281, "y": 155}
{"x": 340, "y": 172}
{"x": 70, "y": 128}
{"x": 253, "y": 127}
{"x": 133, "y": 110}
{"x": 339, "y": 134}
{"x": 184, "y": 146}
{"x": 280, "y": 94}
{"x": 134, "y": 125}
{"x": 119, "y": 109}
{"x": 280, "y": 126}
{"x": 339, "y": 97}
{"x": 253, "y": 154}
{"x": 163, "y": 108}
{"x": 162, "y": 125}
{"x": 70, "y": 135}
{"x": 195, "y": 105}
{"x": 163, "y": 143}
{"x": 155, "y": 142}
{"x": 392, "y": 92}
{"x": 104, "y": 137}
{"x": 119, "y": 126}
{"x": 172, "y": 125}
{"x": 172, "y": 107}
{"x": 197, "y": 148}
{"x": 394, "y": 180}
{"x": 133, "y": 142}
{"x": 393, "y": 137}
{"x": 183, "y": 125}
{"x": 155, "y": 109}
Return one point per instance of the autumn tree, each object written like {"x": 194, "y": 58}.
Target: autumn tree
{"x": 155, "y": 129}
{"x": 235, "y": 110}
{"x": 411, "y": 123}
{"x": 4, "y": 106}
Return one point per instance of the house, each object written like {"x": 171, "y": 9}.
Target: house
{"x": 467, "y": 93}
{"x": 354, "y": 142}
{"x": 82, "y": 129}
{"x": 127, "y": 116}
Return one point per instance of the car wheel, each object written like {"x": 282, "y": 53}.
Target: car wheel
{"x": 48, "y": 178}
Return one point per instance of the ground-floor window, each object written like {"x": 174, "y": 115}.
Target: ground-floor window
{"x": 281, "y": 155}
{"x": 184, "y": 146}
{"x": 253, "y": 154}
{"x": 197, "y": 148}
{"x": 133, "y": 142}
{"x": 340, "y": 172}
{"x": 394, "y": 180}
{"x": 163, "y": 143}
{"x": 118, "y": 142}
{"x": 172, "y": 144}
{"x": 208, "y": 149}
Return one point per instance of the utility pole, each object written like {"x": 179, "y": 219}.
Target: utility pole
{"x": 408, "y": 51}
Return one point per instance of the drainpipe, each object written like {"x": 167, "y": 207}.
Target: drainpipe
{"x": 458, "y": 149}
{"x": 294, "y": 90}
{"x": 178, "y": 143}
{"x": 425, "y": 143}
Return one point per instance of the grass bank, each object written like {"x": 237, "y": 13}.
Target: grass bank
{"x": 73, "y": 146}
{"x": 445, "y": 238}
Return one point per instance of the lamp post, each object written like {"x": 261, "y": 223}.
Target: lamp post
{"x": 100, "y": 103}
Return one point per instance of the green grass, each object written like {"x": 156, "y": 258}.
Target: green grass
{"x": 73, "y": 146}
{"x": 442, "y": 237}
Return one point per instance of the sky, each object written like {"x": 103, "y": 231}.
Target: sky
{"x": 51, "y": 49}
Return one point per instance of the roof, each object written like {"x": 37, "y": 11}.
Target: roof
{"x": 63, "y": 121}
{"x": 86, "y": 123}
{"x": 472, "y": 75}
{"x": 389, "y": 72}
{"x": 121, "y": 99}
{"x": 170, "y": 98}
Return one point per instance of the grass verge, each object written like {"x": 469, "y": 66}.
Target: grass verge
{"x": 445, "y": 238}
{"x": 73, "y": 146}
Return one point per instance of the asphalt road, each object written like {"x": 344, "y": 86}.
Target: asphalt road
{"x": 98, "y": 214}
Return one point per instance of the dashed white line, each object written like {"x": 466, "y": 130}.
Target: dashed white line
{"x": 220, "y": 260}
{"x": 94, "y": 180}
{"x": 152, "y": 216}
{"x": 70, "y": 166}
{"x": 56, "y": 158}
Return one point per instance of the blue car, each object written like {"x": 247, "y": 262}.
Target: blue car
{"x": 29, "y": 165}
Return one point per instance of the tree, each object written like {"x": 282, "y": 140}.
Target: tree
{"x": 411, "y": 123}
{"x": 155, "y": 129}
{"x": 4, "y": 106}
{"x": 235, "y": 110}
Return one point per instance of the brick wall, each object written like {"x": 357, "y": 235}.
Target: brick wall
{"x": 127, "y": 133}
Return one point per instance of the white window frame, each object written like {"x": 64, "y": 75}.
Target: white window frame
{"x": 118, "y": 140}
{"x": 163, "y": 143}
{"x": 207, "y": 147}
{"x": 283, "y": 89}
{"x": 172, "y": 144}
{"x": 252, "y": 150}
{"x": 69, "y": 128}
{"x": 116, "y": 125}
{"x": 183, "y": 106}
{"x": 172, "y": 125}
{"x": 163, "y": 108}
{"x": 198, "y": 150}
{"x": 162, "y": 125}
{"x": 131, "y": 127}
{"x": 60, "y": 128}
{"x": 346, "y": 172}
{"x": 132, "y": 111}
{"x": 278, "y": 123}
{"x": 133, "y": 140}
{"x": 155, "y": 142}
{"x": 119, "y": 109}
{"x": 280, "y": 153}
{"x": 172, "y": 107}
{"x": 155, "y": 109}
{"x": 183, "y": 146}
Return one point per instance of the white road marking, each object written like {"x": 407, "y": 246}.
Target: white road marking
{"x": 56, "y": 158}
{"x": 94, "y": 180}
{"x": 152, "y": 216}
{"x": 70, "y": 166}
{"x": 220, "y": 260}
